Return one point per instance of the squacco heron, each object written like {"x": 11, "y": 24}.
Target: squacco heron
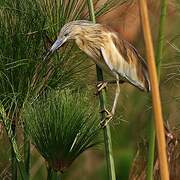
{"x": 109, "y": 51}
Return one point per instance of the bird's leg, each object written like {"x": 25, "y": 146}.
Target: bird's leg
{"x": 116, "y": 95}
{"x": 109, "y": 116}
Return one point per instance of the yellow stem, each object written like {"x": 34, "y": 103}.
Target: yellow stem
{"x": 159, "y": 127}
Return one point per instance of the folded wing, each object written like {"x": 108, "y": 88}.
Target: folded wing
{"x": 123, "y": 59}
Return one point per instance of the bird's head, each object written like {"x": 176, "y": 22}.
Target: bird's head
{"x": 69, "y": 31}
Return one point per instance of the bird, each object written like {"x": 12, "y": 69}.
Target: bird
{"x": 109, "y": 51}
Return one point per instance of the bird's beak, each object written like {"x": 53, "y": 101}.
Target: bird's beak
{"x": 57, "y": 44}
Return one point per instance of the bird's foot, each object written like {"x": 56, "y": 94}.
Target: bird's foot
{"x": 108, "y": 117}
{"x": 101, "y": 85}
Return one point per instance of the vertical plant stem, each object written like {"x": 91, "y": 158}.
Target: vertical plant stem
{"x": 158, "y": 119}
{"x": 151, "y": 149}
{"x": 159, "y": 55}
{"x": 13, "y": 155}
{"x": 22, "y": 171}
{"x": 49, "y": 173}
{"x": 102, "y": 100}
{"x": 52, "y": 175}
{"x": 13, "y": 165}
{"x": 26, "y": 152}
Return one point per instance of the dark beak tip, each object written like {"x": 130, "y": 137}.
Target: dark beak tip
{"x": 47, "y": 55}
{"x": 57, "y": 44}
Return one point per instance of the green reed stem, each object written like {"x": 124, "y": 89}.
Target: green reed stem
{"x": 102, "y": 101}
{"x": 151, "y": 150}
{"x": 159, "y": 53}
{"x": 159, "y": 56}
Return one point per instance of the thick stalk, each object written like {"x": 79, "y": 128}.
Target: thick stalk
{"x": 159, "y": 56}
{"x": 156, "y": 102}
{"x": 102, "y": 100}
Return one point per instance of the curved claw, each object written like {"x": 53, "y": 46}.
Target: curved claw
{"x": 101, "y": 85}
{"x": 107, "y": 119}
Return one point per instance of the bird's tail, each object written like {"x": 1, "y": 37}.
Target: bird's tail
{"x": 144, "y": 72}
{"x": 143, "y": 82}
{"x": 147, "y": 85}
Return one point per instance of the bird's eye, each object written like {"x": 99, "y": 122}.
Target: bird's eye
{"x": 66, "y": 34}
